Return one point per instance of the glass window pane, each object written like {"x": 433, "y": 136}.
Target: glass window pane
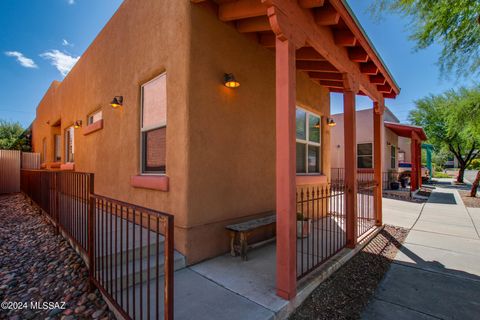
{"x": 313, "y": 159}
{"x": 301, "y": 153}
{"x": 155, "y": 150}
{"x": 364, "y": 149}
{"x": 155, "y": 102}
{"x": 301, "y": 118}
{"x": 365, "y": 162}
{"x": 314, "y": 128}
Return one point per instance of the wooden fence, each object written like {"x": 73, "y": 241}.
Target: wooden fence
{"x": 11, "y": 161}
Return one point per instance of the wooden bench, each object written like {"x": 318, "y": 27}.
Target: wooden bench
{"x": 241, "y": 233}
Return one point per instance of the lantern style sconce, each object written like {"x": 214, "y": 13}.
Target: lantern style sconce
{"x": 331, "y": 122}
{"x": 230, "y": 81}
{"x": 117, "y": 102}
{"x": 77, "y": 124}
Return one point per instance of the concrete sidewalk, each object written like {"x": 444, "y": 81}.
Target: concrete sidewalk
{"x": 436, "y": 273}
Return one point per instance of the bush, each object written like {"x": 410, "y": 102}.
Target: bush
{"x": 474, "y": 165}
{"x": 440, "y": 175}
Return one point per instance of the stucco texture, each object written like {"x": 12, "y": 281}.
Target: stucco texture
{"x": 220, "y": 141}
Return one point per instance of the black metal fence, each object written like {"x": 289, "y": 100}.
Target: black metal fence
{"x": 321, "y": 231}
{"x": 129, "y": 249}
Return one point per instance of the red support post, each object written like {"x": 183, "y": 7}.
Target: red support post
{"x": 350, "y": 136}
{"x": 378, "y": 161}
{"x": 414, "y": 156}
{"x": 285, "y": 169}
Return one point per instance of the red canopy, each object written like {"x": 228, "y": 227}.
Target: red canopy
{"x": 406, "y": 130}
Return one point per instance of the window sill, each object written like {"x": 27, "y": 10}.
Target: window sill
{"x": 160, "y": 182}
{"x": 67, "y": 166}
{"x": 91, "y": 128}
{"x": 311, "y": 179}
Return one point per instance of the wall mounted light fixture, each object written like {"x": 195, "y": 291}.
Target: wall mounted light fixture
{"x": 230, "y": 81}
{"x": 77, "y": 124}
{"x": 117, "y": 102}
{"x": 331, "y": 122}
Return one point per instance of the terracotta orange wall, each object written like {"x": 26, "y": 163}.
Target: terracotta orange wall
{"x": 220, "y": 142}
{"x": 232, "y": 132}
{"x": 142, "y": 40}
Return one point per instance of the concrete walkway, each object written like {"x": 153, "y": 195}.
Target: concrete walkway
{"x": 436, "y": 274}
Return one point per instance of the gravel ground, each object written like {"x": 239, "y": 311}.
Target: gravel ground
{"x": 38, "y": 266}
{"x": 346, "y": 293}
{"x": 469, "y": 201}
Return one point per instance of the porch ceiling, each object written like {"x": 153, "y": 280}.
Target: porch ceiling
{"x": 346, "y": 42}
{"x": 405, "y": 130}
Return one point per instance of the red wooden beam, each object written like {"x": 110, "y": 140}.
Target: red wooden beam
{"x": 308, "y": 4}
{"x": 254, "y": 24}
{"x": 332, "y": 84}
{"x": 327, "y": 16}
{"x": 386, "y": 88}
{"x": 321, "y": 66}
{"x": 344, "y": 38}
{"x": 308, "y": 53}
{"x": 357, "y": 54}
{"x": 241, "y": 9}
{"x": 267, "y": 40}
{"x": 378, "y": 79}
{"x": 391, "y": 95}
{"x": 369, "y": 68}
{"x": 326, "y": 76}
{"x": 338, "y": 90}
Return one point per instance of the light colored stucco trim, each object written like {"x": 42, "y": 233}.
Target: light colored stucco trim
{"x": 160, "y": 182}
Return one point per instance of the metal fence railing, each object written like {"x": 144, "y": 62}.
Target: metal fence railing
{"x": 365, "y": 206}
{"x": 321, "y": 225}
{"x": 338, "y": 177}
{"x": 128, "y": 249}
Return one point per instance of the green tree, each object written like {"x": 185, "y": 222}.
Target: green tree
{"x": 13, "y": 136}
{"x": 453, "y": 24}
{"x": 451, "y": 122}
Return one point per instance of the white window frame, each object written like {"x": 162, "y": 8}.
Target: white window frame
{"x": 366, "y": 142}
{"x": 307, "y": 142}
{"x": 150, "y": 128}
{"x": 91, "y": 116}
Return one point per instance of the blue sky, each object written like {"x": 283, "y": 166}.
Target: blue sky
{"x": 41, "y": 40}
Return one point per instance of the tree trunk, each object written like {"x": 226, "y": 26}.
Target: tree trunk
{"x": 475, "y": 184}
{"x": 461, "y": 173}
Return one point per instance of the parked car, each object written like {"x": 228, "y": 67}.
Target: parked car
{"x": 405, "y": 170}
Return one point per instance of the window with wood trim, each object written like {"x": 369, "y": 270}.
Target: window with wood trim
{"x": 154, "y": 125}
{"x": 364, "y": 155}
{"x": 43, "y": 155}
{"x": 69, "y": 144}
{"x": 57, "y": 156}
{"x": 393, "y": 157}
{"x": 94, "y": 117}
{"x": 308, "y": 142}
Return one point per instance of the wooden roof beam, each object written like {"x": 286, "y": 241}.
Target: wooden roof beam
{"x": 369, "y": 68}
{"x": 332, "y": 84}
{"x": 357, "y": 54}
{"x": 327, "y": 16}
{"x": 391, "y": 95}
{"x": 308, "y": 4}
{"x": 344, "y": 38}
{"x": 241, "y": 9}
{"x": 256, "y": 24}
{"x": 320, "y": 66}
{"x": 385, "y": 88}
{"x": 326, "y": 76}
{"x": 378, "y": 79}
{"x": 308, "y": 53}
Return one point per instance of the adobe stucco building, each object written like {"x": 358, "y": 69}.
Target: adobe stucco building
{"x": 183, "y": 143}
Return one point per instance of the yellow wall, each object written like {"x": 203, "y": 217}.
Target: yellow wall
{"x": 220, "y": 142}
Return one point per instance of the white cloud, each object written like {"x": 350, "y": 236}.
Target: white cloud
{"x": 24, "y": 61}
{"x": 60, "y": 60}
{"x": 65, "y": 43}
